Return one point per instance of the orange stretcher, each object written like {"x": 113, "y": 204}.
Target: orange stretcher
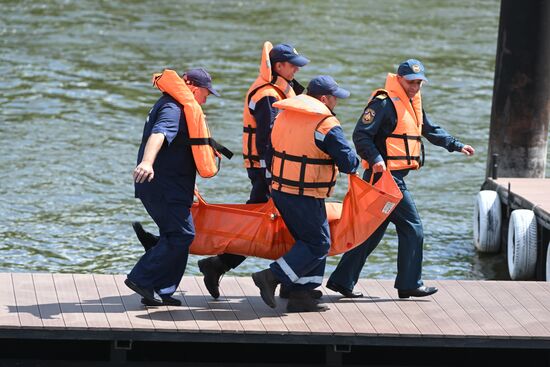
{"x": 259, "y": 230}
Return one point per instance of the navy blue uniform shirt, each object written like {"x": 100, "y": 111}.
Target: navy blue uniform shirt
{"x": 336, "y": 146}
{"x": 370, "y": 138}
{"x": 174, "y": 167}
{"x": 264, "y": 113}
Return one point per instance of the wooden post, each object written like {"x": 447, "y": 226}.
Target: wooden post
{"x": 521, "y": 95}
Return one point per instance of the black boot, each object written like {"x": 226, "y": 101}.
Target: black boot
{"x": 212, "y": 268}
{"x": 147, "y": 239}
{"x": 166, "y": 301}
{"x": 284, "y": 292}
{"x": 301, "y": 301}
{"x": 265, "y": 280}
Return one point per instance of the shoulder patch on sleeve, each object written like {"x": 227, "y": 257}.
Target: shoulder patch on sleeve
{"x": 368, "y": 116}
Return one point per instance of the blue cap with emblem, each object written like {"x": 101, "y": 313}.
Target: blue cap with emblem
{"x": 200, "y": 78}
{"x": 324, "y": 85}
{"x": 285, "y": 52}
{"x": 411, "y": 69}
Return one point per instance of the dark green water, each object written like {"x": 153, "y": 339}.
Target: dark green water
{"x": 75, "y": 90}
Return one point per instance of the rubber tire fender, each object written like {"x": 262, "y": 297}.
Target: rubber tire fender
{"x": 487, "y": 221}
{"x": 522, "y": 244}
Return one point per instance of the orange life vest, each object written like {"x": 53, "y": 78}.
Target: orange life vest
{"x": 264, "y": 86}
{"x": 404, "y": 146}
{"x": 299, "y": 167}
{"x": 205, "y": 149}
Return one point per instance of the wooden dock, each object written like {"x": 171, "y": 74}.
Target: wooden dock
{"x": 524, "y": 193}
{"x": 97, "y": 314}
{"x": 531, "y": 194}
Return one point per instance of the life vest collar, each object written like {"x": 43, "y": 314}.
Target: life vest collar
{"x": 304, "y": 104}
{"x": 206, "y": 151}
{"x": 266, "y": 73}
{"x": 399, "y": 94}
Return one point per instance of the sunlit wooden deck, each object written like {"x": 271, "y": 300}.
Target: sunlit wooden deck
{"x": 463, "y": 314}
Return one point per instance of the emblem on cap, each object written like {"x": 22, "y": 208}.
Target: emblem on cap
{"x": 368, "y": 116}
{"x": 416, "y": 68}
{"x": 294, "y": 50}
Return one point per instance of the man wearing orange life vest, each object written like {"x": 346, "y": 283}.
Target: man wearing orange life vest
{"x": 164, "y": 182}
{"x": 309, "y": 148}
{"x": 388, "y": 136}
{"x": 275, "y": 82}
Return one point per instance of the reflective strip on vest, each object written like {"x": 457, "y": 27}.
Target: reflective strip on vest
{"x": 319, "y": 136}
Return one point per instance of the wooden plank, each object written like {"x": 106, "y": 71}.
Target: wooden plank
{"x": 533, "y": 190}
{"x": 25, "y": 297}
{"x": 484, "y": 319}
{"x": 137, "y": 313}
{"x": 540, "y": 291}
{"x": 520, "y": 304}
{"x": 199, "y": 307}
{"x": 411, "y": 308}
{"x": 440, "y": 315}
{"x": 269, "y": 317}
{"x": 161, "y": 318}
{"x": 9, "y": 317}
{"x": 493, "y": 307}
{"x": 90, "y": 302}
{"x": 388, "y": 306}
{"x": 46, "y": 297}
{"x": 112, "y": 302}
{"x": 69, "y": 303}
{"x": 349, "y": 309}
{"x": 182, "y": 316}
{"x": 315, "y": 321}
{"x": 238, "y": 302}
{"x": 293, "y": 321}
{"x": 455, "y": 311}
{"x": 368, "y": 306}
{"x": 221, "y": 310}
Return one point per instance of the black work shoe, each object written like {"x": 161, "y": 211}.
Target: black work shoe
{"x": 212, "y": 268}
{"x": 149, "y": 295}
{"x": 301, "y": 301}
{"x": 418, "y": 292}
{"x": 148, "y": 240}
{"x": 343, "y": 291}
{"x": 284, "y": 292}
{"x": 265, "y": 280}
{"x": 166, "y": 301}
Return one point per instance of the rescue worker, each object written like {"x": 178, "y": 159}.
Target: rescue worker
{"x": 309, "y": 148}
{"x": 164, "y": 182}
{"x": 274, "y": 83}
{"x": 388, "y": 136}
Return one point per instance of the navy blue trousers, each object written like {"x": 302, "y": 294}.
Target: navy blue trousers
{"x": 409, "y": 252}
{"x": 260, "y": 185}
{"x": 163, "y": 266}
{"x": 303, "y": 266}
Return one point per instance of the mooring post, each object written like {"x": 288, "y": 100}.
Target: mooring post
{"x": 521, "y": 95}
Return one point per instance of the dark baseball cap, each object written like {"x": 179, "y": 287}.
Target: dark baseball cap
{"x": 201, "y": 78}
{"x": 323, "y": 85}
{"x": 411, "y": 69}
{"x": 285, "y": 52}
